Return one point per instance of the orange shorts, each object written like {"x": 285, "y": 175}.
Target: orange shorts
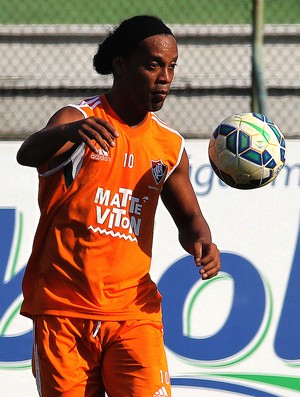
{"x": 86, "y": 358}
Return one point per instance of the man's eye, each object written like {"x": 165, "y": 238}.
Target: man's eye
{"x": 173, "y": 65}
{"x": 153, "y": 65}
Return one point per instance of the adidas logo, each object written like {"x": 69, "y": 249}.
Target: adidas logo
{"x": 101, "y": 155}
{"x": 161, "y": 392}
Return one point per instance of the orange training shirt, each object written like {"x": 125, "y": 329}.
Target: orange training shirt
{"x": 92, "y": 249}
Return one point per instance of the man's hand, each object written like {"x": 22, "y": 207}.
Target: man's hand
{"x": 92, "y": 129}
{"x": 207, "y": 258}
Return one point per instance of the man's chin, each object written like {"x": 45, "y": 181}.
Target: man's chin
{"x": 155, "y": 107}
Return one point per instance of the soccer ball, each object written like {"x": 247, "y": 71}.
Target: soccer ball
{"x": 247, "y": 151}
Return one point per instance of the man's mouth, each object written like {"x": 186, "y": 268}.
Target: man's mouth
{"x": 159, "y": 96}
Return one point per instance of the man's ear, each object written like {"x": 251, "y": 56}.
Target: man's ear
{"x": 118, "y": 64}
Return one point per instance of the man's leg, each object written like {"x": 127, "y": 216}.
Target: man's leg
{"x": 134, "y": 361}
{"x": 66, "y": 358}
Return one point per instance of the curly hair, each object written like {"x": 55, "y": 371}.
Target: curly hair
{"x": 125, "y": 39}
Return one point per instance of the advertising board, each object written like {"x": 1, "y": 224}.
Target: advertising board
{"x": 237, "y": 334}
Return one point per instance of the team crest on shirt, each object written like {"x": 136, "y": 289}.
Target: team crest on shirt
{"x": 159, "y": 170}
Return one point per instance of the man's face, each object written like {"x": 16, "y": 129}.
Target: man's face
{"x": 149, "y": 72}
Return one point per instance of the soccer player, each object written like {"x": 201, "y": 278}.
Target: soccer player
{"x": 103, "y": 164}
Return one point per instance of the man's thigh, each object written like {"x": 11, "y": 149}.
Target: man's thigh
{"x": 66, "y": 359}
{"x": 134, "y": 361}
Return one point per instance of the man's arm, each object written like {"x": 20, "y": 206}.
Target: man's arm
{"x": 194, "y": 234}
{"x": 65, "y": 130}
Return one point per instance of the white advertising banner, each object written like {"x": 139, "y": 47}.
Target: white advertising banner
{"x": 237, "y": 334}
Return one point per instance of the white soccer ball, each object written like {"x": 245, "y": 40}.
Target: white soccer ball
{"x": 247, "y": 150}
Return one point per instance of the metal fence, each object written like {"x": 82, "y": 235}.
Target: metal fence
{"x": 46, "y": 51}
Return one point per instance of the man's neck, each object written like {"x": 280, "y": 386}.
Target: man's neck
{"x": 126, "y": 112}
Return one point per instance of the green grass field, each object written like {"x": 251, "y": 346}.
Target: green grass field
{"x": 171, "y": 11}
